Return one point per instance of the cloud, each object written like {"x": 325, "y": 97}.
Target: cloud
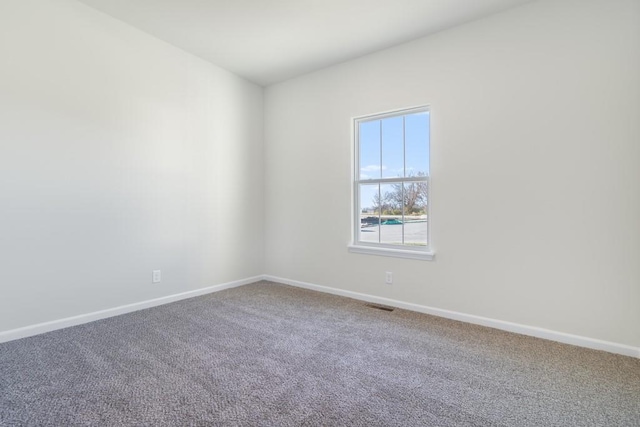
{"x": 372, "y": 168}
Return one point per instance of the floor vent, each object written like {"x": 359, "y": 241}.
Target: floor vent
{"x": 380, "y": 307}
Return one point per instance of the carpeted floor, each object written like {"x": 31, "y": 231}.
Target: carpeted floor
{"x": 272, "y": 355}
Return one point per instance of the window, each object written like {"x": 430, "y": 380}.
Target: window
{"x": 391, "y": 184}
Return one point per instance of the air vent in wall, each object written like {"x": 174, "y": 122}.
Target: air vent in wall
{"x": 380, "y": 307}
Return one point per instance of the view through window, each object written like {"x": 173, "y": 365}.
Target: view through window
{"x": 392, "y": 179}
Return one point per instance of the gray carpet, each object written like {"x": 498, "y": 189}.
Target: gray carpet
{"x": 272, "y": 355}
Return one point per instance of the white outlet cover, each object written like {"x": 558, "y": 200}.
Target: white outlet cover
{"x": 156, "y": 276}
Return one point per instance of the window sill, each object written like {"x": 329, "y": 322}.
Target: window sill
{"x": 398, "y": 253}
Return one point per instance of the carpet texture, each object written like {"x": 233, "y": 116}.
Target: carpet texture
{"x": 272, "y": 355}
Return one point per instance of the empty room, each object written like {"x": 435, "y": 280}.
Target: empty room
{"x": 320, "y": 213}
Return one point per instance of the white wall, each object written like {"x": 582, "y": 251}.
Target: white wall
{"x": 119, "y": 154}
{"x": 535, "y": 169}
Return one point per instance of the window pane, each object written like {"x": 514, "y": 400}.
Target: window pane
{"x": 369, "y": 213}
{"x": 417, "y": 144}
{"x": 415, "y": 213}
{"x": 392, "y": 147}
{"x": 391, "y": 217}
{"x": 369, "y": 133}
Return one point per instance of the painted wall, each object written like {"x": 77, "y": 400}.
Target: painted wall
{"x": 119, "y": 154}
{"x": 535, "y": 176}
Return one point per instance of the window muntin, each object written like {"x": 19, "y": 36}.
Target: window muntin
{"x": 391, "y": 182}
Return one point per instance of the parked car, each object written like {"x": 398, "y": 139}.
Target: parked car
{"x": 370, "y": 220}
{"x": 392, "y": 221}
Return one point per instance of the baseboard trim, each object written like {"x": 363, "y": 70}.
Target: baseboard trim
{"x": 533, "y": 331}
{"x": 41, "y": 328}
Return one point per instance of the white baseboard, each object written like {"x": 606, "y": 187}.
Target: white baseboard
{"x": 533, "y": 331}
{"x": 41, "y": 328}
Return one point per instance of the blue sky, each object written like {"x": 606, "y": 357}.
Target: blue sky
{"x": 392, "y": 164}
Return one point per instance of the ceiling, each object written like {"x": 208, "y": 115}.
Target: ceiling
{"x": 269, "y": 41}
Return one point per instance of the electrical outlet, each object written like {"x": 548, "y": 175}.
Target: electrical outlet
{"x": 388, "y": 278}
{"x": 157, "y": 276}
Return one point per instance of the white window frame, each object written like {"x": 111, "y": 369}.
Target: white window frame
{"x": 383, "y": 249}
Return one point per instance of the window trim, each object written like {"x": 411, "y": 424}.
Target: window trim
{"x": 382, "y": 249}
